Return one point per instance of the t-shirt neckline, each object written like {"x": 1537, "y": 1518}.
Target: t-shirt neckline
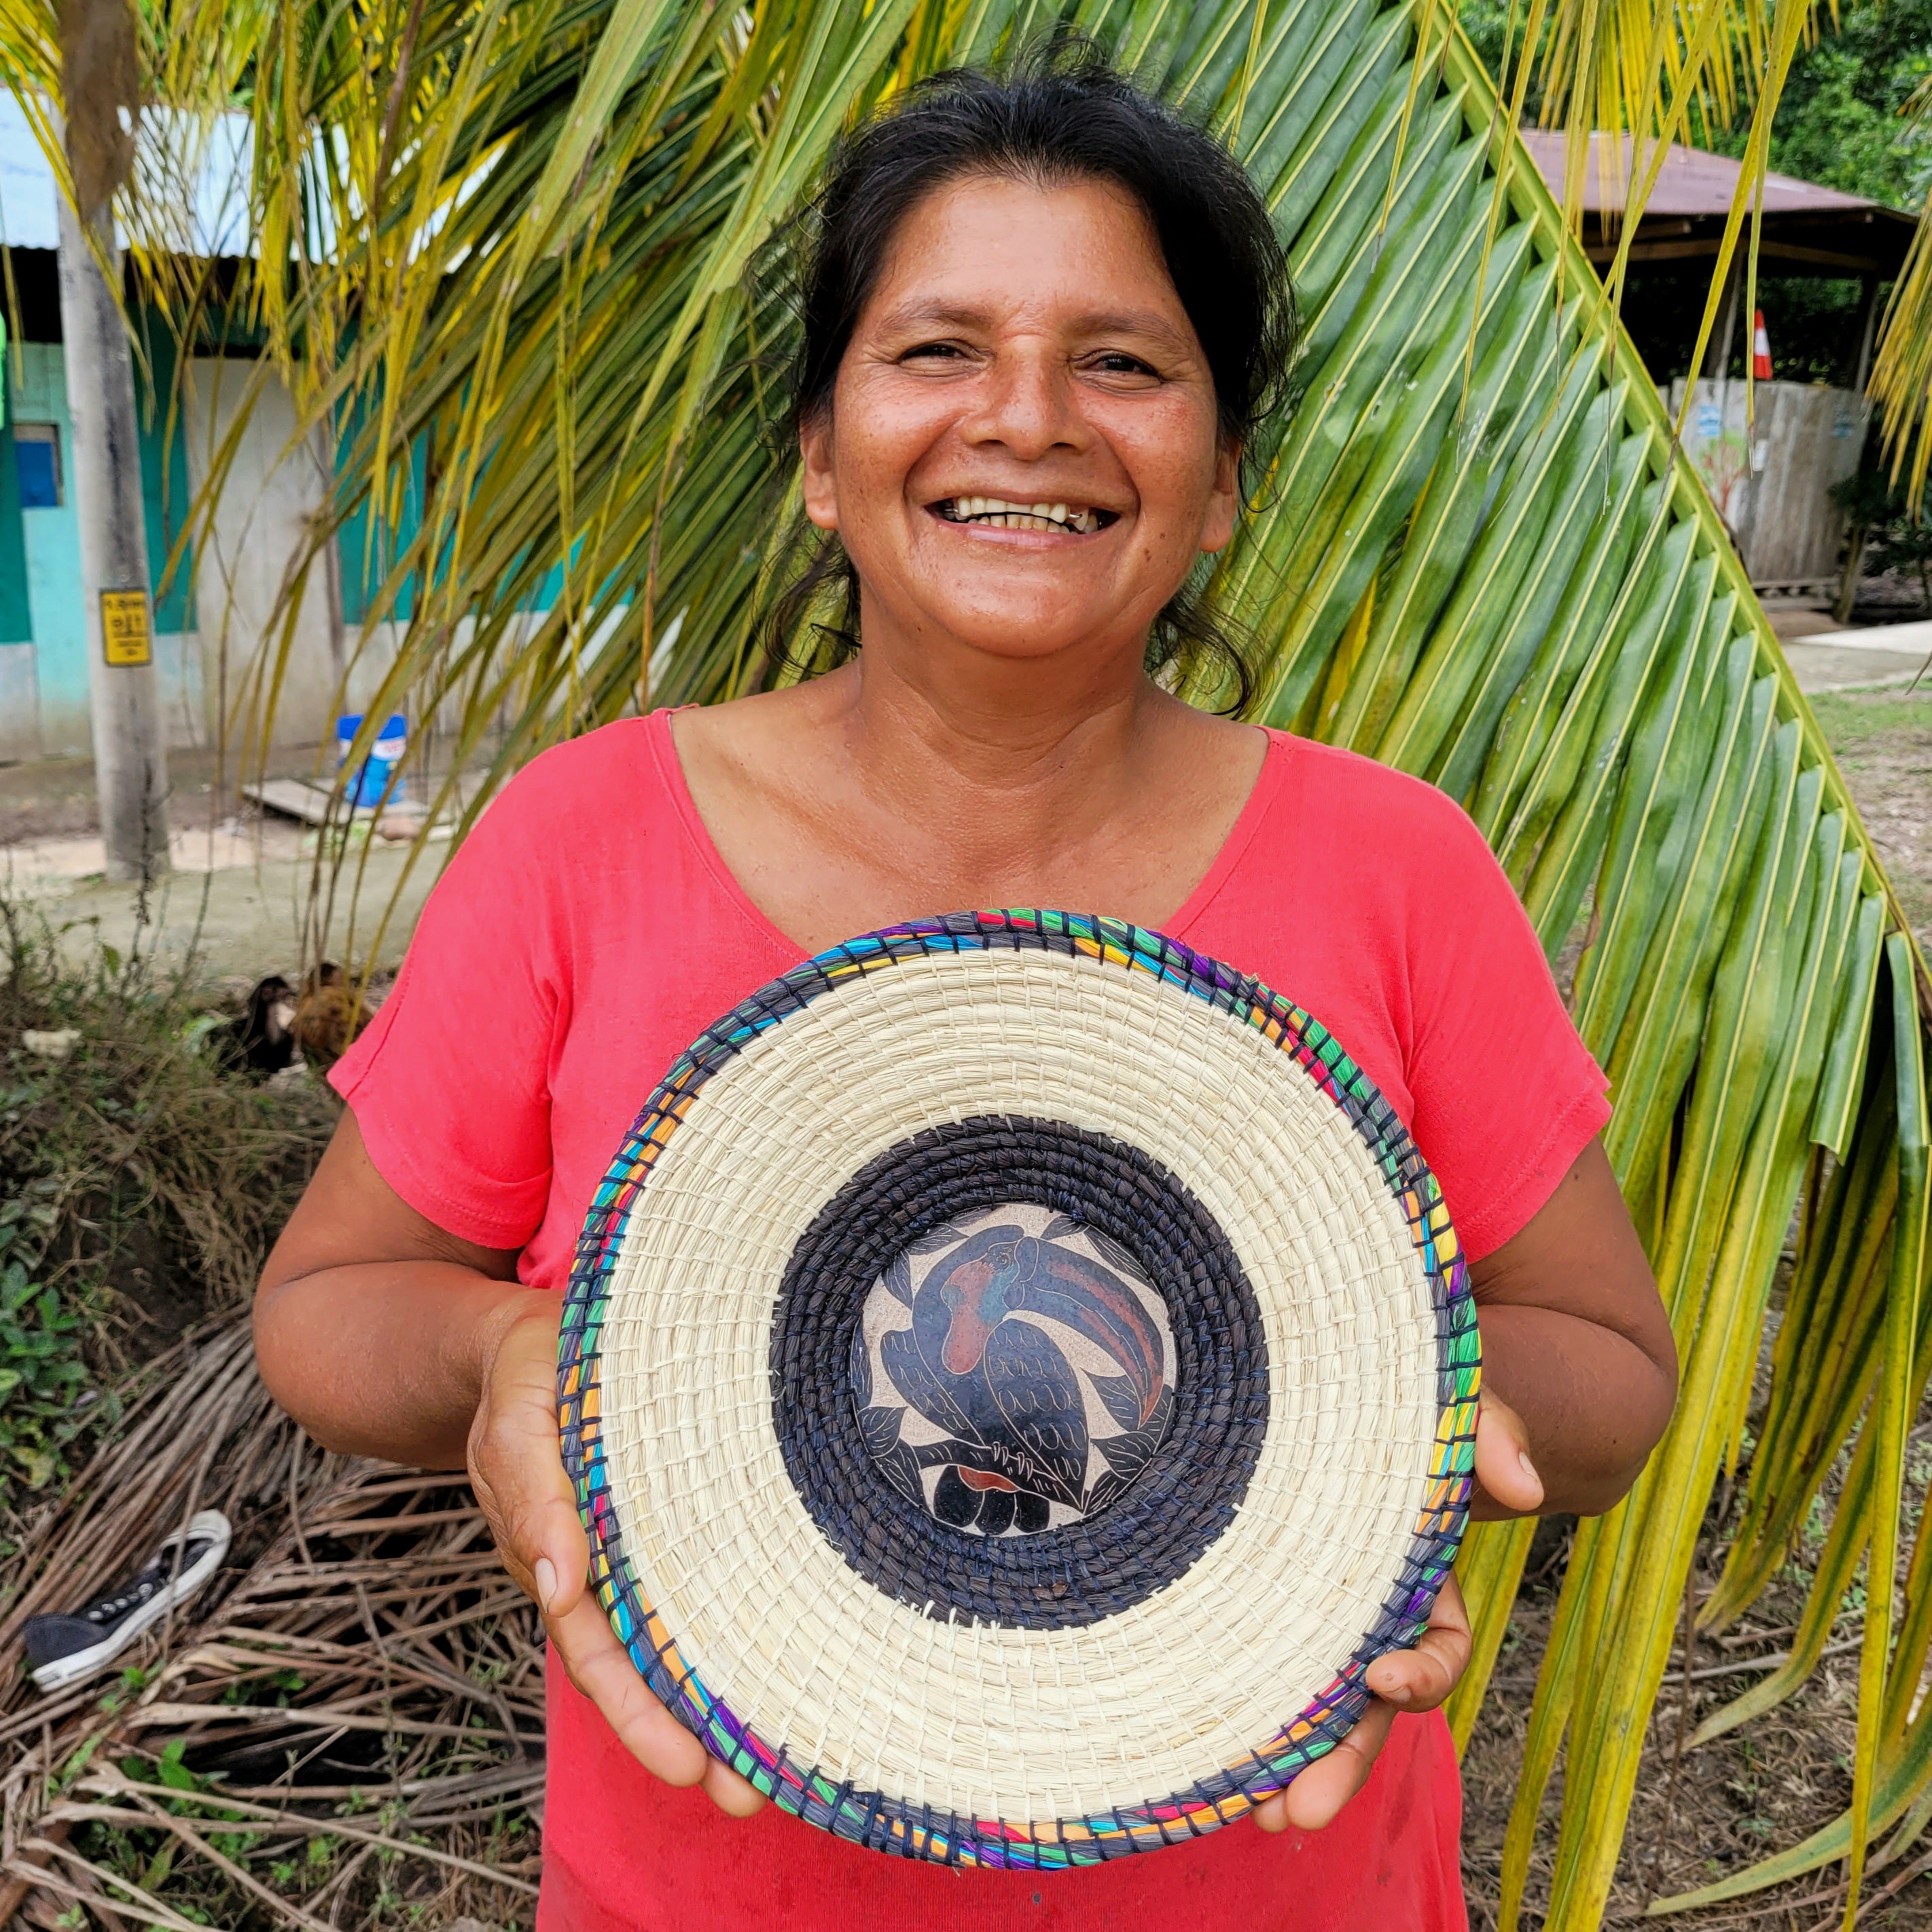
{"x": 1207, "y": 888}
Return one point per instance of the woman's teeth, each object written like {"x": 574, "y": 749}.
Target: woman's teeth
{"x": 996, "y": 511}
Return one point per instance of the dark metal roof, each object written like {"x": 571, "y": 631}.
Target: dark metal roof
{"x": 1807, "y": 230}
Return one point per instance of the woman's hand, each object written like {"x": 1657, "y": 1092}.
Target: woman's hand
{"x": 384, "y": 1336}
{"x": 1419, "y": 1679}
{"x": 517, "y": 1472}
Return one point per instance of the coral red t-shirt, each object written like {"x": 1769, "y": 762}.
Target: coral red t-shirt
{"x": 588, "y": 931}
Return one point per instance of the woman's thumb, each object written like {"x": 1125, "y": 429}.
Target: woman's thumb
{"x": 1503, "y": 1464}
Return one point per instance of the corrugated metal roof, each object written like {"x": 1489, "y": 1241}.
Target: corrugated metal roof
{"x": 1691, "y": 182}
{"x": 210, "y": 220}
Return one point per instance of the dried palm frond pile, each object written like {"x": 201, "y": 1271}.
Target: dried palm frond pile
{"x": 512, "y": 246}
{"x": 345, "y": 1729}
{"x": 142, "y": 1179}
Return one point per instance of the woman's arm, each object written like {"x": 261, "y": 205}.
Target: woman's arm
{"x": 384, "y": 1336}
{"x": 374, "y": 1328}
{"x": 1577, "y": 1344}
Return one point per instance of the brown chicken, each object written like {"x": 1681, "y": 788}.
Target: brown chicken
{"x": 328, "y": 1015}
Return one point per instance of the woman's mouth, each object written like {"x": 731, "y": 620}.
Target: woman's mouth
{"x": 997, "y": 514}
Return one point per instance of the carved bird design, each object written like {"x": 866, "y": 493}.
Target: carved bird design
{"x": 1002, "y": 1388}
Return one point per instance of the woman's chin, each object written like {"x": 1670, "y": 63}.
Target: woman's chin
{"x": 1027, "y": 635}
{"x": 1026, "y": 620}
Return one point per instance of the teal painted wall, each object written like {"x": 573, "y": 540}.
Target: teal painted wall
{"x": 48, "y": 569}
{"x": 52, "y": 541}
{"x": 16, "y": 616}
{"x": 165, "y": 489}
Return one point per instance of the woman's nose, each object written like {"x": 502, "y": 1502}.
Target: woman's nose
{"x": 1028, "y": 404}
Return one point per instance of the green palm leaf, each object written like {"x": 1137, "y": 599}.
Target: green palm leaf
{"x": 516, "y": 234}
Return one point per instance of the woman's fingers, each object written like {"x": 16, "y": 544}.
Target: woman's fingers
{"x": 1402, "y": 1680}
{"x": 601, "y": 1667}
{"x": 736, "y": 1797}
{"x": 1504, "y": 1471}
{"x": 1421, "y": 1679}
{"x": 517, "y": 1470}
{"x": 1321, "y": 1791}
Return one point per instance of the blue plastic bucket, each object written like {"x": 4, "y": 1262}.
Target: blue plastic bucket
{"x": 371, "y": 785}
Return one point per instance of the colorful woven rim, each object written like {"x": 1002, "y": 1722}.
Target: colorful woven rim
{"x": 867, "y": 1530}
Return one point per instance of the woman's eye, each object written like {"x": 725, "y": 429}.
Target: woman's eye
{"x": 948, "y": 350}
{"x": 1118, "y": 362}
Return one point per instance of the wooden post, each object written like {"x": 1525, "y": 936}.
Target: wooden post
{"x": 1717, "y": 362}
{"x": 1867, "y": 328}
{"x": 1848, "y": 583}
{"x": 1842, "y": 605}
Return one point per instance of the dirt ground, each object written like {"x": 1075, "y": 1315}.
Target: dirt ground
{"x": 54, "y": 798}
{"x": 1893, "y": 597}
{"x": 1702, "y": 1813}
{"x": 1883, "y": 742}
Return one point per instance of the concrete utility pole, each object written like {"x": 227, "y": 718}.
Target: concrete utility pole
{"x": 130, "y": 750}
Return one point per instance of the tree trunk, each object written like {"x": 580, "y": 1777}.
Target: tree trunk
{"x": 1848, "y": 584}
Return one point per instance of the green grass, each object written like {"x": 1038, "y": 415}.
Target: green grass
{"x": 1853, "y": 718}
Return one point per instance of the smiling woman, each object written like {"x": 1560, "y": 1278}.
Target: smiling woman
{"x": 1042, "y": 319}
{"x": 1214, "y": 331}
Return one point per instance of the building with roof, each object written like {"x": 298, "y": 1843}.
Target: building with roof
{"x": 1770, "y": 456}
{"x": 213, "y": 611}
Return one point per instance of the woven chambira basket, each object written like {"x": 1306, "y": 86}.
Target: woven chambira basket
{"x": 1017, "y": 1374}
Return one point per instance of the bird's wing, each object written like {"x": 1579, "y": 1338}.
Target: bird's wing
{"x": 1121, "y": 1396}
{"x": 908, "y": 1371}
{"x": 1038, "y": 1397}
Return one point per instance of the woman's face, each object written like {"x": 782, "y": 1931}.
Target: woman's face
{"x": 1022, "y": 452}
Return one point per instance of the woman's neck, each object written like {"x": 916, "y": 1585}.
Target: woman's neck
{"x": 1015, "y": 760}
{"x": 872, "y": 795}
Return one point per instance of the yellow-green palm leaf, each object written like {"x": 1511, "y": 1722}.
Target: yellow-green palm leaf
{"x": 516, "y": 234}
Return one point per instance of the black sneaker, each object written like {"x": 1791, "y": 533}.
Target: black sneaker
{"x": 64, "y": 1649}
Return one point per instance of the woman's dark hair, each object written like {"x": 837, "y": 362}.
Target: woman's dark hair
{"x": 1057, "y": 116}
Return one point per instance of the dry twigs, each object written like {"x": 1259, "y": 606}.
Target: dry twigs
{"x": 347, "y": 1725}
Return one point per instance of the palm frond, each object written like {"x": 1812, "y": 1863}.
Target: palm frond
{"x": 1901, "y": 373}
{"x": 510, "y": 240}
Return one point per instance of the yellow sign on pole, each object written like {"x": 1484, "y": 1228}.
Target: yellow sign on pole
{"x": 123, "y": 627}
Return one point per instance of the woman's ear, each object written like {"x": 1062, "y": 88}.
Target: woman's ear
{"x": 821, "y": 490}
{"x": 1217, "y": 527}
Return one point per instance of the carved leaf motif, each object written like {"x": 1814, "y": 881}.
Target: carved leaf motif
{"x": 880, "y": 1428}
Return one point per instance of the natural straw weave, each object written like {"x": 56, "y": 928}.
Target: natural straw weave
{"x": 979, "y": 1740}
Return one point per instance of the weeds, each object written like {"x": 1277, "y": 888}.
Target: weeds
{"x": 1852, "y": 719}
{"x": 345, "y": 1726}
{"x": 140, "y": 1185}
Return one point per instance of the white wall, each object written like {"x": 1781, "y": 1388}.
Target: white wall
{"x": 272, "y": 491}
{"x": 19, "y": 702}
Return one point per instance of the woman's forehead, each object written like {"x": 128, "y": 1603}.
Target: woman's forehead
{"x": 973, "y": 245}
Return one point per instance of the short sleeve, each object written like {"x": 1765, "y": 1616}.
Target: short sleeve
{"x": 450, "y": 1083}
{"x": 1505, "y": 1094}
